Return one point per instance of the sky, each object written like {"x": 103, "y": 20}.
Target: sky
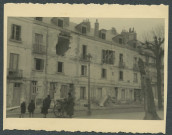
{"x": 141, "y": 25}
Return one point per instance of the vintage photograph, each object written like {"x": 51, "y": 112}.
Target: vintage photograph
{"x": 76, "y": 67}
{"x": 85, "y": 68}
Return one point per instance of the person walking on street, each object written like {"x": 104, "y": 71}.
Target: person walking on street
{"x": 46, "y": 106}
{"x": 23, "y": 109}
{"x": 70, "y": 105}
{"x": 31, "y": 108}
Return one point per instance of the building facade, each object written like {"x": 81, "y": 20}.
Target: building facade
{"x": 50, "y": 56}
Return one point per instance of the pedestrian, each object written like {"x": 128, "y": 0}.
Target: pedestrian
{"x": 31, "y": 108}
{"x": 23, "y": 109}
{"x": 70, "y": 105}
{"x": 46, "y": 106}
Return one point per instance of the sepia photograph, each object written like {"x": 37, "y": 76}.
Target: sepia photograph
{"x": 76, "y": 68}
{"x": 85, "y": 68}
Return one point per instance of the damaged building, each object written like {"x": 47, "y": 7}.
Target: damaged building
{"x": 49, "y": 55}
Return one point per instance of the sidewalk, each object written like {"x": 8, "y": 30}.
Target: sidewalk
{"x": 81, "y": 110}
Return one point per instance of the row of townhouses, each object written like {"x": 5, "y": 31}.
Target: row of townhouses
{"x": 49, "y": 55}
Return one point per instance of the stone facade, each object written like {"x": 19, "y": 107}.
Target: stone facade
{"x": 46, "y": 72}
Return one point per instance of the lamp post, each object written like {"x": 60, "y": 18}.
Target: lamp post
{"x": 89, "y": 102}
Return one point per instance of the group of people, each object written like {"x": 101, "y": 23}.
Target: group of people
{"x": 31, "y": 109}
{"x": 69, "y": 108}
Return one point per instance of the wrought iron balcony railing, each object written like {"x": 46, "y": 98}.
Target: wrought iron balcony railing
{"x": 39, "y": 48}
{"x": 15, "y": 74}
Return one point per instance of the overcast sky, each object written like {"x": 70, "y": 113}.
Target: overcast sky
{"x": 141, "y": 25}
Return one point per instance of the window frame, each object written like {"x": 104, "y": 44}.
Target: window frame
{"x": 34, "y": 87}
{"x": 121, "y": 58}
{"x": 84, "y": 31}
{"x": 40, "y": 39}
{"x": 103, "y": 35}
{"x": 60, "y": 23}
{"x": 11, "y": 62}
{"x": 82, "y": 93}
{"x": 104, "y": 74}
{"x": 15, "y": 32}
{"x": 41, "y": 64}
{"x": 108, "y": 57}
{"x": 84, "y": 53}
{"x": 121, "y": 75}
{"x": 83, "y": 70}
{"x": 62, "y": 68}
{"x": 120, "y": 41}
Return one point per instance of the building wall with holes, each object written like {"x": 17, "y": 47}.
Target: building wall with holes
{"x": 100, "y": 87}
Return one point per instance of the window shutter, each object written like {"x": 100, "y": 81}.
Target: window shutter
{"x": 19, "y": 34}
{"x": 12, "y": 31}
{"x": 42, "y": 64}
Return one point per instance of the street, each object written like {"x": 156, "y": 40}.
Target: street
{"x": 123, "y": 113}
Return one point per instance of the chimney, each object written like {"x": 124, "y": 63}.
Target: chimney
{"x": 96, "y": 29}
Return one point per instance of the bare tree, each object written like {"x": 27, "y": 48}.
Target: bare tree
{"x": 154, "y": 40}
{"x": 149, "y": 104}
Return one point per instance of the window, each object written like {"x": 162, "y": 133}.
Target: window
{"x": 121, "y": 57}
{"x": 131, "y": 94}
{"x": 39, "y": 64}
{"x": 60, "y": 67}
{"x": 84, "y": 30}
{"x": 82, "y": 92}
{"x": 14, "y": 60}
{"x": 38, "y": 39}
{"x": 84, "y": 52}
{"x": 123, "y": 94}
{"x": 103, "y": 35}
{"x": 108, "y": 56}
{"x": 60, "y": 23}
{"x": 16, "y": 32}
{"x": 103, "y": 73}
{"x": 135, "y": 77}
{"x": 120, "y": 75}
{"x": 83, "y": 70}
{"x": 99, "y": 93}
{"x": 38, "y": 18}
{"x": 34, "y": 87}
{"x": 120, "y": 40}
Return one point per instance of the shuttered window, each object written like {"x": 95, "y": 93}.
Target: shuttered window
{"x": 16, "y": 32}
{"x": 14, "y": 60}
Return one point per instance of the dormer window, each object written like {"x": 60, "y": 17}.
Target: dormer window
{"x": 103, "y": 36}
{"x": 120, "y": 40}
{"x": 60, "y": 23}
{"x": 84, "y": 30}
{"x": 38, "y": 18}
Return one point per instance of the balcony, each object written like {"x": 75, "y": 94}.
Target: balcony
{"x": 121, "y": 65}
{"x": 15, "y": 74}
{"x": 135, "y": 67}
{"x": 41, "y": 49}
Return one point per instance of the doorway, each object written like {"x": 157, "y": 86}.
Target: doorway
{"x": 16, "y": 94}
